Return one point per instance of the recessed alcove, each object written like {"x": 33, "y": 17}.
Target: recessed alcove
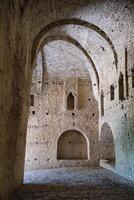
{"x": 72, "y": 145}
{"x": 107, "y": 147}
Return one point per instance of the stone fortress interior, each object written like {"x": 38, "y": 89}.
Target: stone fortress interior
{"x": 67, "y": 99}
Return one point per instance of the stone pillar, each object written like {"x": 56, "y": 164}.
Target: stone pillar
{"x": 15, "y": 78}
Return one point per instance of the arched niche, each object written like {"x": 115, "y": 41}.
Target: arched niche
{"x": 70, "y": 102}
{"x": 73, "y": 21}
{"x": 107, "y": 143}
{"x": 72, "y": 145}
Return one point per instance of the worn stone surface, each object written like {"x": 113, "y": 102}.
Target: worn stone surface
{"x": 74, "y": 183}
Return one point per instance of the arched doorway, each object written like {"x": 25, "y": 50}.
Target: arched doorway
{"x": 107, "y": 149}
{"x": 72, "y": 145}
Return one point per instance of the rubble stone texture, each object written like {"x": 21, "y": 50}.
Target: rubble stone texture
{"x": 101, "y": 36}
{"x": 80, "y": 183}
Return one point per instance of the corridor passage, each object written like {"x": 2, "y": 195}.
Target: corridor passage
{"x": 74, "y": 183}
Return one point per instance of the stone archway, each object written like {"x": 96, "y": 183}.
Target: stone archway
{"x": 107, "y": 148}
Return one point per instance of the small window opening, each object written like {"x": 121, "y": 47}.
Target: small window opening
{"x": 112, "y": 88}
{"x": 121, "y": 87}
{"x": 102, "y": 103}
{"x": 31, "y": 100}
{"x": 70, "y": 102}
{"x": 132, "y": 81}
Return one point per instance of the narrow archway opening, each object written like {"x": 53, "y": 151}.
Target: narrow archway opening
{"x": 72, "y": 145}
{"x": 70, "y": 102}
{"x": 107, "y": 148}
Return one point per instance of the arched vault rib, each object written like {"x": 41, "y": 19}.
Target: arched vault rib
{"x": 76, "y": 44}
{"x": 74, "y": 21}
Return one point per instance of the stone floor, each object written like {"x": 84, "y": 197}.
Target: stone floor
{"x": 74, "y": 183}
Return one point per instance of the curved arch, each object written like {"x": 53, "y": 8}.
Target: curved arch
{"x": 107, "y": 142}
{"x": 76, "y": 44}
{"x": 73, "y": 21}
{"x": 72, "y": 145}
